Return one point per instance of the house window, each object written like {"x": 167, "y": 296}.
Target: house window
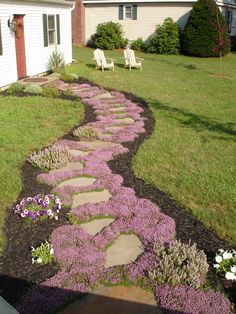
{"x": 51, "y": 29}
{"x": 127, "y": 12}
{"x": 228, "y": 19}
{"x": 0, "y": 39}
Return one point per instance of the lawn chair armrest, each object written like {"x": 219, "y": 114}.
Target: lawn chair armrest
{"x": 140, "y": 58}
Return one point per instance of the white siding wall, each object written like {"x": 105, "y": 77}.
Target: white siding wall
{"x": 148, "y": 16}
{"x": 36, "y": 54}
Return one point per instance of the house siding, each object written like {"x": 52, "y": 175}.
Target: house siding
{"x": 148, "y": 16}
{"x": 36, "y": 54}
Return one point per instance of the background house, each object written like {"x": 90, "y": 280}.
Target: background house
{"x": 29, "y": 31}
{"x": 138, "y": 18}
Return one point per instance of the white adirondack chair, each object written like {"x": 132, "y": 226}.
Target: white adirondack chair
{"x": 101, "y": 60}
{"x": 131, "y": 61}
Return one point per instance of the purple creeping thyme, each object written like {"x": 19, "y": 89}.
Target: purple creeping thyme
{"x": 82, "y": 256}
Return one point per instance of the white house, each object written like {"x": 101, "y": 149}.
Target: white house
{"x": 138, "y": 17}
{"x": 29, "y": 31}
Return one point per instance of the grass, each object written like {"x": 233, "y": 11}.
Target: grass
{"x": 191, "y": 153}
{"x": 28, "y": 124}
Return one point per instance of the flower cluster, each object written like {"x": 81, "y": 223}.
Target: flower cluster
{"x": 39, "y": 207}
{"x": 43, "y": 254}
{"x": 226, "y": 264}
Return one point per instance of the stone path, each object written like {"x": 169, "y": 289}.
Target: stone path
{"x": 117, "y": 230}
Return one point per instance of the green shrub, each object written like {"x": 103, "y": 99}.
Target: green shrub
{"x": 180, "y": 263}
{"x": 56, "y": 62}
{"x": 138, "y": 44}
{"x": 33, "y": 89}
{"x": 50, "y": 91}
{"x": 166, "y": 39}
{"x": 205, "y": 33}
{"x": 108, "y": 36}
{"x": 68, "y": 78}
{"x": 50, "y": 158}
{"x": 85, "y": 133}
{"x": 14, "y": 88}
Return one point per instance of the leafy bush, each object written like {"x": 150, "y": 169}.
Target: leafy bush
{"x": 205, "y": 33}
{"x": 33, "y": 89}
{"x": 108, "y": 36}
{"x": 66, "y": 77}
{"x": 14, "y": 88}
{"x": 85, "y": 133}
{"x": 138, "y": 44}
{"x": 50, "y": 91}
{"x": 68, "y": 92}
{"x": 56, "y": 62}
{"x": 53, "y": 157}
{"x": 43, "y": 254}
{"x": 166, "y": 39}
{"x": 180, "y": 263}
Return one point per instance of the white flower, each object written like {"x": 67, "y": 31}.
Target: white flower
{"x": 230, "y": 276}
{"x": 32, "y": 260}
{"x": 49, "y": 212}
{"x": 230, "y": 255}
{"x": 56, "y": 217}
{"x": 22, "y": 215}
{"x": 226, "y": 255}
{"x": 221, "y": 250}
{"x": 233, "y": 269}
{"x": 32, "y": 249}
{"x": 26, "y": 212}
{"x": 216, "y": 265}
{"x": 51, "y": 251}
{"x": 46, "y": 200}
{"x": 218, "y": 259}
{"x": 39, "y": 260}
{"x": 59, "y": 206}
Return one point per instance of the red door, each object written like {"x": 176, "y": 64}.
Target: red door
{"x": 20, "y": 45}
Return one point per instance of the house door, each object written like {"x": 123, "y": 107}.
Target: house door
{"x": 20, "y": 45}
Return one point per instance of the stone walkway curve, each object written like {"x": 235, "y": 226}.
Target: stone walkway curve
{"x": 113, "y": 232}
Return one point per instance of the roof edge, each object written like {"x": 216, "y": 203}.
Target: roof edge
{"x": 59, "y": 2}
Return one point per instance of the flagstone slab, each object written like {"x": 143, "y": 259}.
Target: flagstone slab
{"x": 76, "y": 165}
{"x": 104, "y": 95}
{"x": 76, "y": 152}
{"x": 115, "y": 128}
{"x": 98, "y": 144}
{"x": 124, "y": 120}
{"x": 117, "y": 109}
{"x": 79, "y": 181}
{"x": 115, "y": 300}
{"x": 124, "y": 250}
{"x": 90, "y": 197}
{"x": 95, "y": 226}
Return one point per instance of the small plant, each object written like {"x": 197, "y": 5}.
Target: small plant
{"x": 68, "y": 92}
{"x": 86, "y": 133}
{"x": 66, "y": 77}
{"x": 166, "y": 39}
{"x": 180, "y": 263}
{"x": 43, "y": 254}
{"x": 108, "y": 36}
{"x": 14, "y": 88}
{"x": 138, "y": 44}
{"x": 39, "y": 207}
{"x": 56, "y": 62}
{"x": 33, "y": 89}
{"x": 50, "y": 91}
{"x": 226, "y": 264}
{"x": 50, "y": 158}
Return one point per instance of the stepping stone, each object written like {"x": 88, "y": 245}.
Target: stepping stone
{"x": 115, "y": 128}
{"x": 125, "y": 120}
{"x": 97, "y": 144}
{"x": 69, "y": 167}
{"x": 104, "y": 95}
{"x": 79, "y": 181}
{"x": 115, "y": 300}
{"x": 95, "y": 226}
{"x": 75, "y": 152}
{"x": 124, "y": 250}
{"x": 90, "y": 197}
{"x": 119, "y": 109}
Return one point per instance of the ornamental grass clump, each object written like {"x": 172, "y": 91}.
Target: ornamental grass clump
{"x": 43, "y": 254}
{"x": 50, "y": 158}
{"x": 38, "y": 207}
{"x": 179, "y": 263}
{"x": 86, "y": 133}
{"x": 226, "y": 264}
{"x": 33, "y": 89}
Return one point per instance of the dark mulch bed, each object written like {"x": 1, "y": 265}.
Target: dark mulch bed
{"x": 18, "y": 275}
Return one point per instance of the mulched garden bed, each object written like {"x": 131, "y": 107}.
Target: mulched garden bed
{"x": 18, "y": 275}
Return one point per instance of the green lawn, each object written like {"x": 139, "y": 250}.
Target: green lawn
{"x": 192, "y": 153}
{"x": 28, "y": 124}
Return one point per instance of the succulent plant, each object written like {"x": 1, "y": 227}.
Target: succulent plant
{"x": 33, "y": 89}
{"x": 86, "y": 133}
{"x": 180, "y": 263}
{"x": 53, "y": 157}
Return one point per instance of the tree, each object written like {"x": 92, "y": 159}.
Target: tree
{"x": 205, "y": 33}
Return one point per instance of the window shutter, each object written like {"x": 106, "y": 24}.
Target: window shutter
{"x": 58, "y": 30}
{"x": 0, "y": 40}
{"x": 45, "y": 29}
{"x": 134, "y": 15}
{"x": 121, "y": 12}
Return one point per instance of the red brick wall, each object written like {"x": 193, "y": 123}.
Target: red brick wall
{"x": 78, "y": 24}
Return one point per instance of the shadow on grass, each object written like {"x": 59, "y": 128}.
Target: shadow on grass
{"x": 180, "y": 64}
{"x": 197, "y": 122}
